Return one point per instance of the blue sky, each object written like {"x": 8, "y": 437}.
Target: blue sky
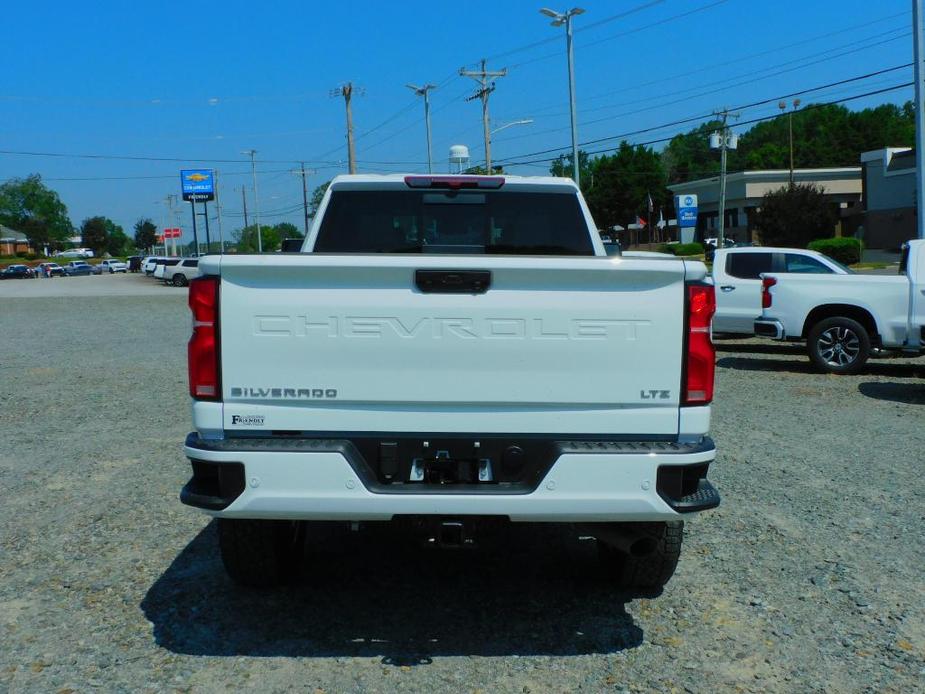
{"x": 200, "y": 83}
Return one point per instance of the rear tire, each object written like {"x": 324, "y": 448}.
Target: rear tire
{"x": 180, "y": 281}
{"x": 653, "y": 570}
{"x": 260, "y": 553}
{"x": 838, "y": 345}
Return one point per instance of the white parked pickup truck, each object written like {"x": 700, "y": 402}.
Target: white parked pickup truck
{"x": 737, "y": 277}
{"x": 458, "y": 353}
{"x": 842, "y": 317}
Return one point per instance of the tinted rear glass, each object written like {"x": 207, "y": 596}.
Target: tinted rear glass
{"x": 432, "y": 221}
{"x": 795, "y": 262}
{"x": 748, "y": 266}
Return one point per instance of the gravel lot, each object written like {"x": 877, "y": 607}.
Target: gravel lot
{"x": 118, "y": 284}
{"x": 808, "y": 578}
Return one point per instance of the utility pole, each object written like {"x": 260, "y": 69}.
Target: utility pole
{"x": 558, "y": 19}
{"x": 424, "y": 91}
{"x": 169, "y": 201}
{"x": 485, "y": 88}
{"x": 253, "y": 153}
{"x": 723, "y": 144}
{"x": 244, "y": 203}
{"x": 346, "y": 91}
{"x": 192, "y": 202}
{"x": 304, "y": 173}
{"x": 782, "y": 105}
{"x": 218, "y": 208}
{"x": 919, "y": 47}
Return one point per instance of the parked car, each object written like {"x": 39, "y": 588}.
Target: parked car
{"x": 842, "y": 317}
{"x": 17, "y": 272}
{"x": 81, "y": 267}
{"x": 737, "y": 277}
{"x": 75, "y": 253}
{"x": 113, "y": 266}
{"x": 149, "y": 264}
{"x": 161, "y": 266}
{"x": 50, "y": 270}
{"x": 179, "y": 275}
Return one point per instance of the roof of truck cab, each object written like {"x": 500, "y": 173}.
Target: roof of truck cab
{"x": 395, "y": 179}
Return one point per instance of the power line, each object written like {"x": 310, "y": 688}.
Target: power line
{"x": 613, "y": 37}
{"x": 725, "y": 86}
{"x": 741, "y": 123}
{"x": 797, "y": 63}
{"x": 586, "y": 27}
{"x": 683, "y": 121}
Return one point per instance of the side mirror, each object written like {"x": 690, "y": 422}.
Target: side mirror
{"x": 292, "y": 245}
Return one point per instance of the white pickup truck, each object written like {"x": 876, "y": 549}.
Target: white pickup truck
{"x": 737, "y": 276}
{"x": 455, "y": 352}
{"x": 842, "y": 317}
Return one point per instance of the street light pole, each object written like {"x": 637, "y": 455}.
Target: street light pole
{"x": 558, "y": 19}
{"x": 783, "y": 105}
{"x": 424, "y": 91}
{"x": 253, "y": 153}
{"x": 522, "y": 121}
{"x": 919, "y": 47}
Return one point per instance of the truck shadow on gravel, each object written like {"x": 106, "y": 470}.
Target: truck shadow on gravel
{"x": 906, "y": 393}
{"x": 738, "y": 347}
{"x": 398, "y": 601}
{"x": 875, "y": 367}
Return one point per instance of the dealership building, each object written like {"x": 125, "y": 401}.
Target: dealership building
{"x": 744, "y": 190}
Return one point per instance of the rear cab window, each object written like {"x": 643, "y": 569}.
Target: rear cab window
{"x": 749, "y": 266}
{"x": 795, "y": 262}
{"x": 504, "y": 222}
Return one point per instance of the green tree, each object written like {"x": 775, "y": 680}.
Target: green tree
{"x": 27, "y": 205}
{"x": 688, "y": 156}
{"x": 795, "y": 215}
{"x": 480, "y": 170}
{"x": 562, "y": 166}
{"x": 622, "y": 184}
{"x": 119, "y": 243}
{"x": 115, "y": 237}
{"x": 824, "y": 135}
{"x": 94, "y": 235}
{"x": 246, "y": 238}
{"x": 145, "y": 234}
{"x": 317, "y": 197}
{"x": 288, "y": 230}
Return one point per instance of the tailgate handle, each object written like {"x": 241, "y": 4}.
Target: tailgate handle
{"x": 452, "y": 281}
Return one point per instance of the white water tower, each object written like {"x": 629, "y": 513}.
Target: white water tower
{"x": 459, "y": 158}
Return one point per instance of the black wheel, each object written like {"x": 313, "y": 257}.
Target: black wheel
{"x": 838, "y": 345}
{"x": 180, "y": 281}
{"x": 111, "y": 271}
{"x": 651, "y": 562}
{"x": 260, "y": 553}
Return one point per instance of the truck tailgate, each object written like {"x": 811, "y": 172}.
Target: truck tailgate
{"x": 331, "y": 343}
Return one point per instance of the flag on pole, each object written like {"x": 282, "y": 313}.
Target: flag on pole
{"x": 649, "y": 198}
{"x": 641, "y": 222}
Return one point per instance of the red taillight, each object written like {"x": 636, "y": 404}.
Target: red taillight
{"x": 766, "y": 298}
{"x": 454, "y": 182}
{"x": 701, "y": 356}
{"x": 202, "y": 351}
